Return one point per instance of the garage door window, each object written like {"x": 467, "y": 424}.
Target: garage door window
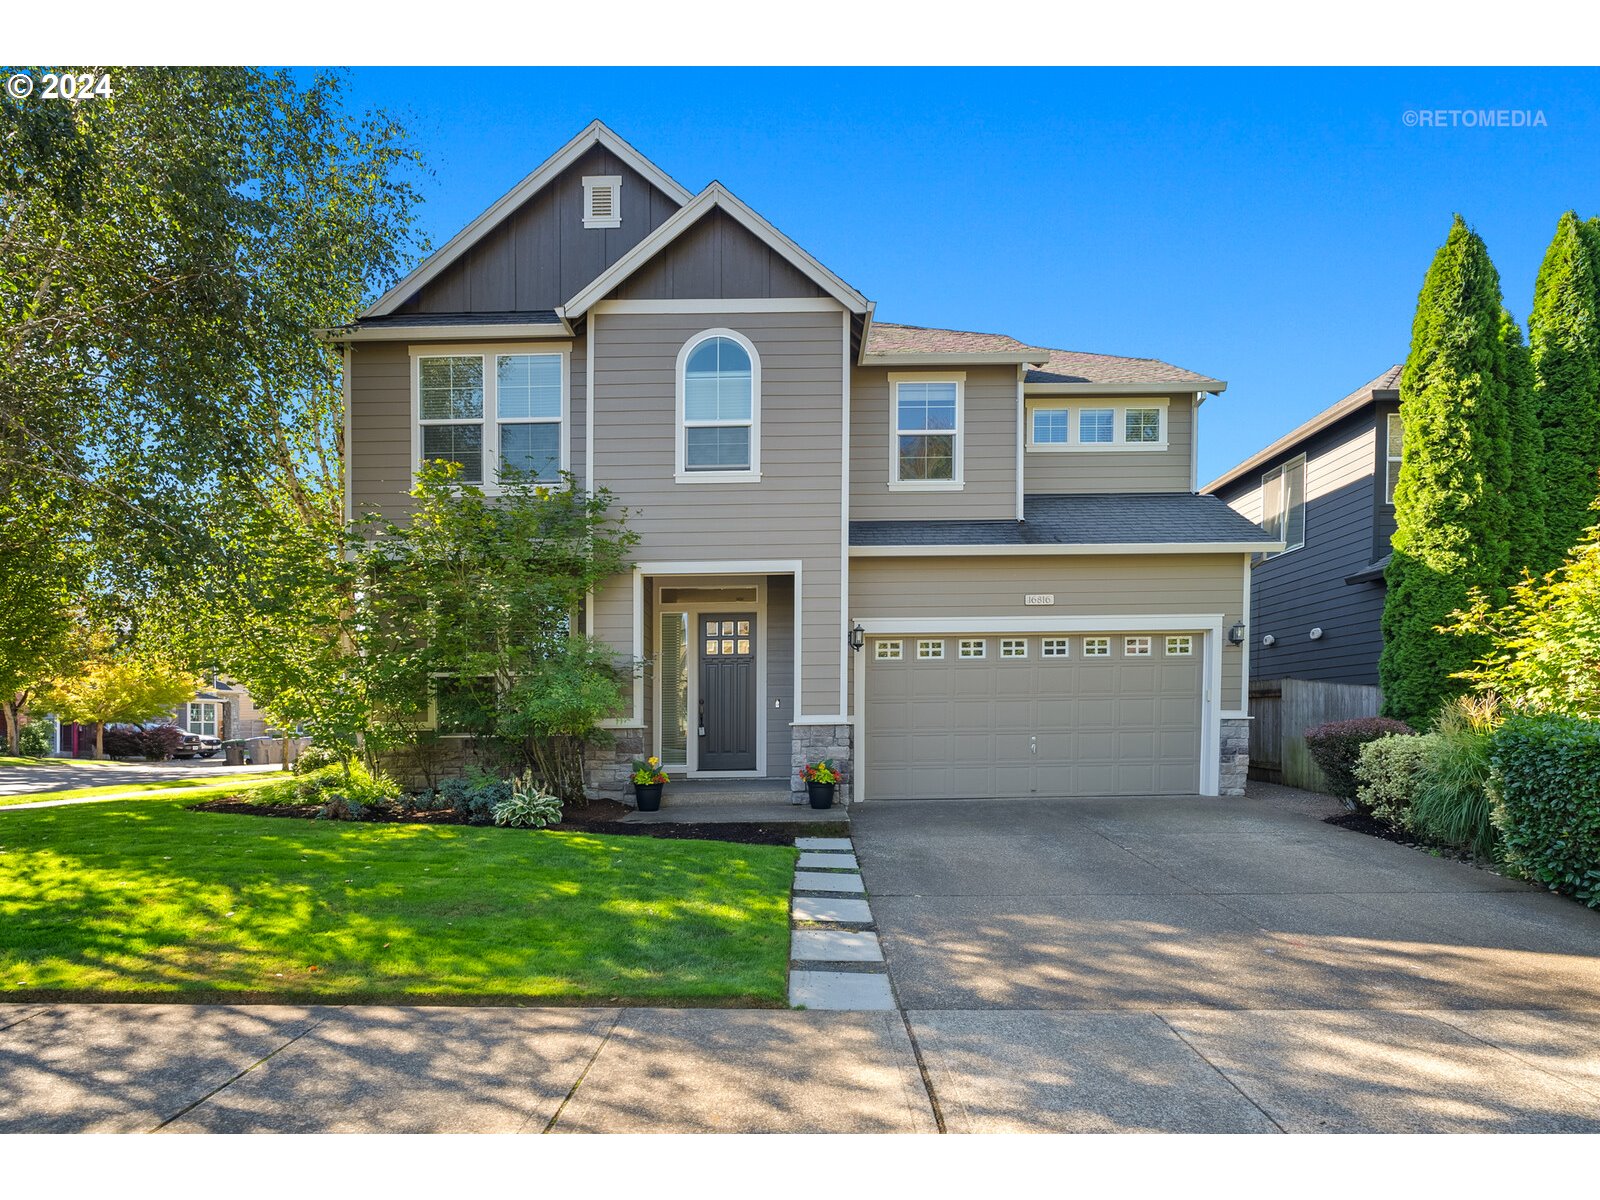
{"x": 1096, "y": 647}
{"x": 1013, "y": 647}
{"x": 888, "y": 651}
{"x": 1179, "y": 646}
{"x": 971, "y": 648}
{"x": 1136, "y": 647}
{"x": 930, "y": 649}
{"x": 1057, "y": 647}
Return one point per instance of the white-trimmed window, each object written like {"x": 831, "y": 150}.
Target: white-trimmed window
{"x": 1180, "y": 645}
{"x": 974, "y": 647}
{"x": 496, "y": 412}
{"x": 925, "y": 417}
{"x": 1395, "y": 448}
{"x": 1136, "y": 647}
{"x": 1096, "y": 647}
{"x": 1138, "y": 425}
{"x": 602, "y": 201}
{"x": 886, "y": 650}
{"x": 930, "y": 648}
{"x": 202, "y": 717}
{"x": 1283, "y": 504}
{"x": 719, "y": 409}
{"x": 1057, "y": 647}
{"x": 1013, "y": 647}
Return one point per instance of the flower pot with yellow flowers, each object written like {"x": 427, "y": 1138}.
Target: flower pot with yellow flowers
{"x": 648, "y": 780}
{"x": 821, "y": 779}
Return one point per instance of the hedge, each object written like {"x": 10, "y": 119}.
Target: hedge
{"x": 1546, "y": 787}
{"x": 1336, "y": 747}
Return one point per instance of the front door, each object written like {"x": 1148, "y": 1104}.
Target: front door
{"x": 727, "y": 713}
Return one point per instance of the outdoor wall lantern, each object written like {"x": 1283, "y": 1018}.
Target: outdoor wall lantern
{"x": 858, "y": 636}
{"x": 1236, "y": 634}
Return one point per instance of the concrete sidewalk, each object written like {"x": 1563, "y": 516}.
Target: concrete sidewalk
{"x": 53, "y": 777}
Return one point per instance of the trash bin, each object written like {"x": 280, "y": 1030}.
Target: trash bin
{"x": 233, "y": 753}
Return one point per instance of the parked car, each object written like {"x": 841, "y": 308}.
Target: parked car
{"x": 197, "y": 745}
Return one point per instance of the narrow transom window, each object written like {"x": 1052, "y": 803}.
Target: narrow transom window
{"x": 528, "y": 395}
{"x": 933, "y": 648}
{"x": 1096, "y": 647}
{"x": 1396, "y": 446}
{"x": 719, "y": 388}
{"x": 1057, "y": 647}
{"x": 1050, "y": 426}
{"x": 926, "y": 431}
{"x": 1136, "y": 647}
{"x": 1181, "y": 644}
{"x": 888, "y": 651}
{"x": 602, "y": 201}
{"x": 973, "y": 648}
{"x": 1013, "y": 647}
{"x": 1096, "y": 425}
{"x": 1141, "y": 425}
{"x": 451, "y": 411}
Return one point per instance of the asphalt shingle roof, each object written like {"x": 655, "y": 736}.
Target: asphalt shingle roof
{"x": 1086, "y": 520}
{"x": 1074, "y": 366}
{"x": 1057, "y": 366}
{"x": 918, "y": 339}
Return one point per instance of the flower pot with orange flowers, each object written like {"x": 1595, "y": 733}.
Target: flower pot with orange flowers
{"x": 821, "y": 780}
{"x": 648, "y": 780}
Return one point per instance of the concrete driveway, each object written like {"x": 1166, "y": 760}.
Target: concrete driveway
{"x": 1225, "y": 965}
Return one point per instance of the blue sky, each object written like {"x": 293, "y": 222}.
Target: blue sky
{"x": 1268, "y": 227}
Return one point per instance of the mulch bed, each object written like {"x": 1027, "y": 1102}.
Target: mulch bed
{"x": 1366, "y": 823}
{"x": 598, "y": 816}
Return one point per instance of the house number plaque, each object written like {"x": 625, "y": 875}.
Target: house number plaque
{"x": 1040, "y": 598}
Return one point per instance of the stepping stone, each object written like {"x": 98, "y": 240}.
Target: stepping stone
{"x": 846, "y": 991}
{"x": 827, "y": 881}
{"x": 823, "y": 844}
{"x": 844, "y": 912}
{"x": 811, "y": 861}
{"x": 834, "y": 945}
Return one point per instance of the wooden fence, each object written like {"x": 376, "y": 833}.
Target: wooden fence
{"x": 1283, "y": 709}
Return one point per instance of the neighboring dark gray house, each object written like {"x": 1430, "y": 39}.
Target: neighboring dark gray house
{"x": 1316, "y": 606}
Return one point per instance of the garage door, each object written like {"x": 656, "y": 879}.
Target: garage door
{"x": 988, "y": 717}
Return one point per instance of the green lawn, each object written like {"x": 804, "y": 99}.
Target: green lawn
{"x": 122, "y": 898}
{"x": 190, "y": 789}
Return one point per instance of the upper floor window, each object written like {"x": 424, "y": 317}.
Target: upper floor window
{"x": 1396, "y": 432}
{"x": 719, "y": 409}
{"x": 1140, "y": 425}
{"x": 493, "y": 413}
{"x": 1283, "y": 504}
{"x": 926, "y": 450}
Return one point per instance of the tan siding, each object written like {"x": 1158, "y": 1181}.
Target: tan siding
{"x": 989, "y": 451}
{"x": 1084, "y": 586}
{"x": 792, "y": 513}
{"x": 1052, "y": 472}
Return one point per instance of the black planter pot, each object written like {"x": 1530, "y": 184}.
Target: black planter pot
{"x": 821, "y": 794}
{"x": 648, "y": 796}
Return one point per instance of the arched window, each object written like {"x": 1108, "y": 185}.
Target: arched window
{"x": 719, "y": 408}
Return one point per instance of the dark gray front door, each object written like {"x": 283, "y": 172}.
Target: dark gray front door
{"x": 727, "y": 715}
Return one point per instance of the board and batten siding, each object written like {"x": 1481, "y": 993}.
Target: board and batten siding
{"x": 541, "y": 255}
{"x": 717, "y": 256}
{"x": 989, "y": 450}
{"x": 1064, "y": 472}
{"x": 792, "y": 513}
{"x": 1089, "y": 585}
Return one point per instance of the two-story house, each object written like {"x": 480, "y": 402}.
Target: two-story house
{"x": 1327, "y": 490}
{"x": 955, "y": 563}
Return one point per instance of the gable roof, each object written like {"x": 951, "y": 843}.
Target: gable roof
{"x": 1072, "y": 370}
{"x": 889, "y": 343}
{"x": 1382, "y": 387}
{"x": 718, "y": 197}
{"x": 595, "y": 133}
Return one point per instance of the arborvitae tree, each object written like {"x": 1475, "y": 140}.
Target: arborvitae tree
{"x": 1564, "y": 350}
{"x": 1452, "y": 510}
{"x": 1527, "y": 541}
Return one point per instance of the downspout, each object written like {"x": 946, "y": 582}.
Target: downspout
{"x": 1022, "y": 372}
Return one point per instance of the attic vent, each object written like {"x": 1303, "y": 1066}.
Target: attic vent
{"x": 602, "y": 201}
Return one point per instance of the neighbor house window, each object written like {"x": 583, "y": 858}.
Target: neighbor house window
{"x": 973, "y": 648}
{"x": 719, "y": 401}
{"x": 1057, "y": 647}
{"x": 1391, "y": 474}
{"x": 1096, "y": 425}
{"x": 1283, "y": 504}
{"x": 888, "y": 651}
{"x": 1136, "y": 647}
{"x": 930, "y": 649}
{"x": 1096, "y": 647}
{"x": 202, "y": 718}
{"x": 927, "y": 433}
{"x": 1180, "y": 645}
{"x": 1013, "y": 647}
{"x": 1050, "y": 426}
{"x": 497, "y": 415}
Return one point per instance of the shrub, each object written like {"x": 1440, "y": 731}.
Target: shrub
{"x": 1336, "y": 747}
{"x": 314, "y": 758}
{"x": 529, "y": 805}
{"x": 33, "y": 740}
{"x": 474, "y": 795}
{"x": 1388, "y": 774}
{"x": 157, "y": 742}
{"x": 1452, "y": 803}
{"x": 344, "y": 794}
{"x": 1546, "y": 785}
{"x": 122, "y": 741}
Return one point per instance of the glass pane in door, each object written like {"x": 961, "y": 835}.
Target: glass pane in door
{"x": 675, "y": 687}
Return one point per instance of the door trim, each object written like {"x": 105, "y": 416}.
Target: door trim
{"x": 1208, "y": 625}
{"x": 759, "y": 607}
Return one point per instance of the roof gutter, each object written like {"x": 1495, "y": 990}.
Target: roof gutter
{"x": 344, "y": 334}
{"x": 1154, "y": 387}
{"x": 953, "y": 358}
{"x": 1066, "y": 548}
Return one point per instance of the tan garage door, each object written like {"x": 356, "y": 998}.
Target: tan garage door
{"x": 1075, "y": 715}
